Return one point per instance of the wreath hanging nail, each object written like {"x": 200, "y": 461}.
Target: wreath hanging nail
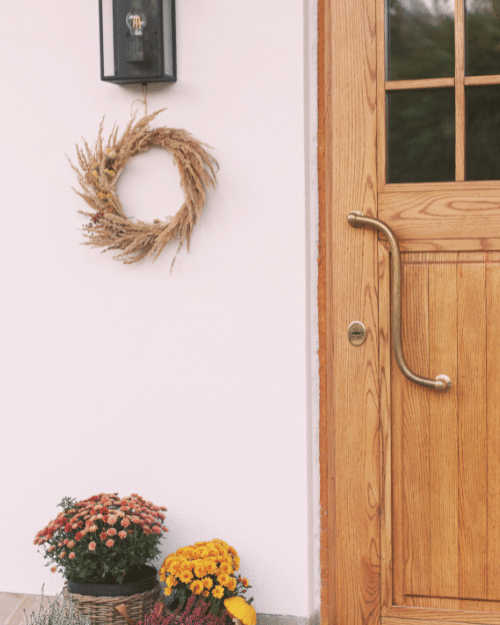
{"x": 100, "y": 168}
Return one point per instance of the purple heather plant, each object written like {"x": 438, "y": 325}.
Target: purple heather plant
{"x": 195, "y": 612}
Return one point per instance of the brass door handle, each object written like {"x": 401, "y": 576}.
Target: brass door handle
{"x": 442, "y": 383}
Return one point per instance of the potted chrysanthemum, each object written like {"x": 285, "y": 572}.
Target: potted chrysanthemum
{"x": 102, "y": 545}
{"x": 200, "y": 579}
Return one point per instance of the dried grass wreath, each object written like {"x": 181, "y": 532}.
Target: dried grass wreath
{"x": 100, "y": 168}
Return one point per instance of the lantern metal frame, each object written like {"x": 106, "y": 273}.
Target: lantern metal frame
{"x": 154, "y": 69}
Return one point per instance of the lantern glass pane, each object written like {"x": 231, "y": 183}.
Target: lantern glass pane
{"x": 168, "y": 60}
{"x": 107, "y": 36}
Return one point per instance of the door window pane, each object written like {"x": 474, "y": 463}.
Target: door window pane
{"x": 420, "y": 38}
{"x": 482, "y": 37}
{"x": 482, "y": 133}
{"x": 421, "y": 135}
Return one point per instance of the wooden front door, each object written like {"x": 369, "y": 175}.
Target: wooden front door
{"x": 411, "y": 477}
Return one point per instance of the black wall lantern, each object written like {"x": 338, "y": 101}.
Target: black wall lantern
{"x": 137, "y": 41}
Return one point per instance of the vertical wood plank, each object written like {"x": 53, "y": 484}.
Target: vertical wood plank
{"x": 324, "y": 44}
{"x": 386, "y": 494}
{"x": 444, "y": 527}
{"x": 397, "y": 466}
{"x": 459, "y": 90}
{"x": 472, "y": 433}
{"x": 381, "y": 98}
{"x": 493, "y": 424}
{"x": 416, "y": 433}
{"x": 352, "y": 402}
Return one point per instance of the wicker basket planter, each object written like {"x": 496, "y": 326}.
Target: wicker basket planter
{"x": 102, "y": 610}
{"x": 99, "y": 602}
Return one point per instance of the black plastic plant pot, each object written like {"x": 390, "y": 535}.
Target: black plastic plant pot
{"x": 146, "y": 582}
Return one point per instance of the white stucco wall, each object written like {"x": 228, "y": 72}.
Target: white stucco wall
{"x": 196, "y": 389}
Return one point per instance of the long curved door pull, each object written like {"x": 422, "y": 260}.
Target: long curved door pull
{"x": 442, "y": 383}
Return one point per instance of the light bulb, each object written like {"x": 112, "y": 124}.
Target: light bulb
{"x": 136, "y": 22}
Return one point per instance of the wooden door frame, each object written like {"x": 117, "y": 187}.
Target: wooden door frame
{"x": 350, "y": 444}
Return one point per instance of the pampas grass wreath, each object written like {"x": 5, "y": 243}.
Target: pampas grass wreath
{"x": 99, "y": 169}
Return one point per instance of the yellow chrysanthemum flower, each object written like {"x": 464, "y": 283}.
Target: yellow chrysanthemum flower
{"x": 196, "y": 587}
{"x": 223, "y": 579}
{"x": 199, "y": 565}
{"x": 212, "y": 551}
{"x": 226, "y": 567}
{"x": 178, "y": 565}
{"x": 199, "y": 568}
